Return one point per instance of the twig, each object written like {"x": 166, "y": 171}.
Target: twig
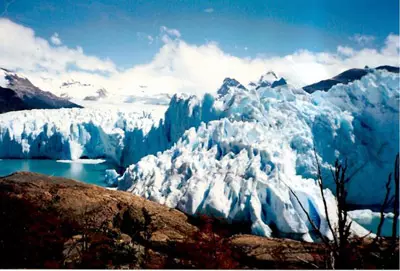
{"x": 384, "y": 205}
{"x": 309, "y": 218}
{"x": 304, "y": 261}
{"x": 323, "y": 198}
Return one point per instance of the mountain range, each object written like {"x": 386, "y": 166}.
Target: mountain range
{"x": 18, "y": 93}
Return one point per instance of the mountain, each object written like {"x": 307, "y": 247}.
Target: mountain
{"x": 234, "y": 156}
{"x": 100, "y": 94}
{"x": 269, "y": 79}
{"x": 345, "y": 78}
{"x": 388, "y": 68}
{"x": 18, "y": 93}
{"x": 73, "y": 90}
{"x": 227, "y": 84}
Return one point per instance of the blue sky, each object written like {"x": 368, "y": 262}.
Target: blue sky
{"x": 120, "y": 30}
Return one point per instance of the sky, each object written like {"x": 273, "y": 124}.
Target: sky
{"x": 192, "y": 45}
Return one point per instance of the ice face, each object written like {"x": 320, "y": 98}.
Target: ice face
{"x": 68, "y": 133}
{"x": 235, "y": 155}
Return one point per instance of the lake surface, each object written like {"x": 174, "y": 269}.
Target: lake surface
{"x": 88, "y": 171}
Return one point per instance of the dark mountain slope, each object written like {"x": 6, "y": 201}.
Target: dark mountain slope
{"x": 345, "y": 78}
{"x": 21, "y": 94}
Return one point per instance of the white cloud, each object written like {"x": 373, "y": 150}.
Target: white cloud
{"x": 345, "y": 50}
{"x": 22, "y": 49}
{"x": 145, "y": 37}
{"x": 169, "y": 34}
{"x": 178, "y": 66}
{"x": 209, "y": 10}
{"x": 362, "y": 39}
{"x": 184, "y": 67}
{"x": 170, "y": 31}
{"x": 150, "y": 39}
{"x": 246, "y": 48}
{"x": 55, "y": 39}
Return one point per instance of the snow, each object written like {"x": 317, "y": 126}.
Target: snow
{"x": 233, "y": 155}
{"x": 157, "y": 110}
{"x": 3, "y": 80}
{"x": 83, "y": 161}
{"x": 268, "y": 79}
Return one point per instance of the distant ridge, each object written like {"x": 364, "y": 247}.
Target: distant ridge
{"x": 18, "y": 93}
{"x": 345, "y": 78}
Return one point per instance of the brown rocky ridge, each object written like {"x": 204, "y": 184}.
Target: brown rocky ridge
{"x": 51, "y": 222}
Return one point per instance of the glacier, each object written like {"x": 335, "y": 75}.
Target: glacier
{"x": 233, "y": 155}
{"x": 68, "y": 134}
{"x": 239, "y": 165}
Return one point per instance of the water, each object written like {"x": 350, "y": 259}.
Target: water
{"x": 81, "y": 170}
{"x": 370, "y": 221}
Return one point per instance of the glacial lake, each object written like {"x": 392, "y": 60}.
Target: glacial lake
{"x": 88, "y": 171}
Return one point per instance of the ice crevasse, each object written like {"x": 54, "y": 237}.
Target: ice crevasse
{"x": 233, "y": 156}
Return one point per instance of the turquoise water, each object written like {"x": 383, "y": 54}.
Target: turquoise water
{"x": 88, "y": 173}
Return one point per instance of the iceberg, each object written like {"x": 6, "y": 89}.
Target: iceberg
{"x": 111, "y": 177}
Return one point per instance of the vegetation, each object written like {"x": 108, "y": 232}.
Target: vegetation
{"x": 344, "y": 249}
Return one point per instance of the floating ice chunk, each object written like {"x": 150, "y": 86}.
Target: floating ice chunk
{"x": 111, "y": 177}
{"x": 83, "y": 161}
{"x": 370, "y": 220}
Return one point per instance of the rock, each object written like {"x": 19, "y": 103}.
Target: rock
{"x": 51, "y": 222}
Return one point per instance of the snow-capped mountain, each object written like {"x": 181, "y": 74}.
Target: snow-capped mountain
{"x": 77, "y": 90}
{"x": 18, "y": 93}
{"x": 234, "y": 155}
{"x": 269, "y": 79}
{"x": 96, "y": 95}
{"x": 227, "y": 84}
{"x": 345, "y": 78}
{"x": 100, "y": 94}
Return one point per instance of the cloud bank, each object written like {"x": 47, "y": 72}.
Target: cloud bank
{"x": 178, "y": 66}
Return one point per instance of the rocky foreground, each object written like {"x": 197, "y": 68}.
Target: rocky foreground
{"x": 51, "y": 222}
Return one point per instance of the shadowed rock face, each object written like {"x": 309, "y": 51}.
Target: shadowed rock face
{"x": 345, "y": 78}
{"x": 51, "y": 222}
{"x": 21, "y": 94}
{"x": 227, "y": 84}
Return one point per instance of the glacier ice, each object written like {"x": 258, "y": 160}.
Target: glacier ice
{"x": 111, "y": 177}
{"x": 238, "y": 166}
{"x": 123, "y": 136}
{"x": 233, "y": 155}
{"x": 68, "y": 134}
